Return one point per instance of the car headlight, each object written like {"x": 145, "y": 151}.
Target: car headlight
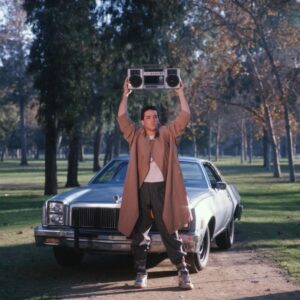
{"x": 55, "y": 219}
{"x": 55, "y": 213}
{"x": 55, "y": 207}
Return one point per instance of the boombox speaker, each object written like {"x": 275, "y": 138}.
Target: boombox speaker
{"x": 154, "y": 78}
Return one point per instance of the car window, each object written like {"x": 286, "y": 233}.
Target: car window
{"x": 193, "y": 174}
{"x": 114, "y": 172}
{"x": 212, "y": 175}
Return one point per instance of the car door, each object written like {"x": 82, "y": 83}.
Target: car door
{"x": 223, "y": 204}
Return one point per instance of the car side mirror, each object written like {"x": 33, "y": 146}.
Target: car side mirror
{"x": 220, "y": 185}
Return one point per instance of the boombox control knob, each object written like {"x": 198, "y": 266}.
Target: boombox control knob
{"x": 172, "y": 80}
{"x": 135, "y": 81}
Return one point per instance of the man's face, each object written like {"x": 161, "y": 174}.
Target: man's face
{"x": 150, "y": 121}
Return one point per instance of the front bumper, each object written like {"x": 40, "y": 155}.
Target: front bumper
{"x": 92, "y": 240}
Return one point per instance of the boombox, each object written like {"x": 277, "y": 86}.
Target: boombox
{"x": 154, "y": 78}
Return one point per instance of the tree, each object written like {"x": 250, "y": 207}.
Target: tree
{"x": 61, "y": 62}
{"x": 133, "y": 34}
{"x": 280, "y": 38}
{"x": 8, "y": 124}
{"x": 245, "y": 32}
{"x": 15, "y": 42}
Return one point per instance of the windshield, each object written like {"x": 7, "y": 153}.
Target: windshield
{"x": 115, "y": 172}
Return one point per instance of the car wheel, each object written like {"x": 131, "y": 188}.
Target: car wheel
{"x": 198, "y": 261}
{"x": 67, "y": 256}
{"x": 225, "y": 239}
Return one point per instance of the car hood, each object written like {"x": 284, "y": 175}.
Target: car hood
{"x": 104, "y": 194}
{"x": 94, "y": 193}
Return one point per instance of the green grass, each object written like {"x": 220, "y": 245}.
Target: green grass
{"x": 270, "y": 224}
{"x": 271, "y": 219}
{"x": 28, "y": 272}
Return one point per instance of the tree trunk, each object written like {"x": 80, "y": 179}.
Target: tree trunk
{"x": 275, "y": 155}
{"x": 59, "y": 141}
{"x": 80, "y": 151}
{"x": 266, "y": 150}
{"x": 23, "y": 133}
{"x": 37, "y": 153}
{"x": 250, "y": 144}
{"x": 4, "y": 149}
{"x": 72, "y": 176}
{"x": 116, "y": 142}
{"x": 218, "y": 137}
{"x": 268, "y": 116}
{"x": 242, "y": 141}
{"x": 97, "y": 142}
{"x": 295, "y": 145}
{"x": 209, "y": 142}
{"x": 195, "y": 149}
{"x": 108, "y": 149}
{"x": 289, "y": 141}
{"x": 245, "y": 136}
{"x": 50, "y": 159}
{"x": 284, "y": 101}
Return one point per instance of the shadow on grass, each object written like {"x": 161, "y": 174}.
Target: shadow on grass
{"x": 283, "y": 194}
{"x": 240, "y": 169}
{"x": 277, "y": 205}
{"x": 21, "y": 202}
{"x": 249, "y": 169}
{"x": 39, "y": 169}
{"x": 268, "y": 231}
{"x": 19, "y": 170}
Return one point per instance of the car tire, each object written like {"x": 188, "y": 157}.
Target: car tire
{"x": 198, "y": 261}
{"x": 67, "y": 257}
{"x": 225, "y": 239}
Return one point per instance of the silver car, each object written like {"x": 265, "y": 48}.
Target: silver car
{"x": 85, "y": 219}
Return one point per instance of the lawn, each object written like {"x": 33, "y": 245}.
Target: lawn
{"x": 271, "y": 220}
{"x": 270, "y": 224}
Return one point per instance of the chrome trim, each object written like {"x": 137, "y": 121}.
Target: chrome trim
{"x": 120, "y": 243}
{"x": 96, "y": 205}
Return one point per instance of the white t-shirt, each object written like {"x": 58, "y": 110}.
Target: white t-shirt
{"x": 154, "y": 173}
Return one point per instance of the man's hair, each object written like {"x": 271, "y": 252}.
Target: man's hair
{"x": 145, "y": 108}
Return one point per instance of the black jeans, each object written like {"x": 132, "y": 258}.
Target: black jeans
{"x": 151, "y": 201}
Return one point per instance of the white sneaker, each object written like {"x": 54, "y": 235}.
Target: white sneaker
{"x": 184, "y": 281}
{"x": 141, "y": 280}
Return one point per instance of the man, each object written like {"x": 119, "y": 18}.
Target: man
{"x": 154, "y": 188}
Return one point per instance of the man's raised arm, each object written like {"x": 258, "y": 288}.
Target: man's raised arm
{"x": 183, "y": 103}
{"x": 124, "y": 99}
{"x": 178, "y": 126}
{"x": 126, "y": 125}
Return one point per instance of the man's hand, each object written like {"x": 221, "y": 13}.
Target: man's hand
{"x": 180, "y": 91}
{"x": 126, "y": 90}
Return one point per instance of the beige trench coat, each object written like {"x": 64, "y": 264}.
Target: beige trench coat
{"x": 176, "y": 212}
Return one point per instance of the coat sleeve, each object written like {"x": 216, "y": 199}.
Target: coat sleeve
{"x": 127, "y": 128}
{"x": 178, "y": 126}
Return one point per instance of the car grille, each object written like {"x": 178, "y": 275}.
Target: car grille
{"x": 102, "y": 218}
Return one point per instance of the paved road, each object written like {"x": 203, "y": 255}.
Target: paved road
{"x": 229, "y": 275}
